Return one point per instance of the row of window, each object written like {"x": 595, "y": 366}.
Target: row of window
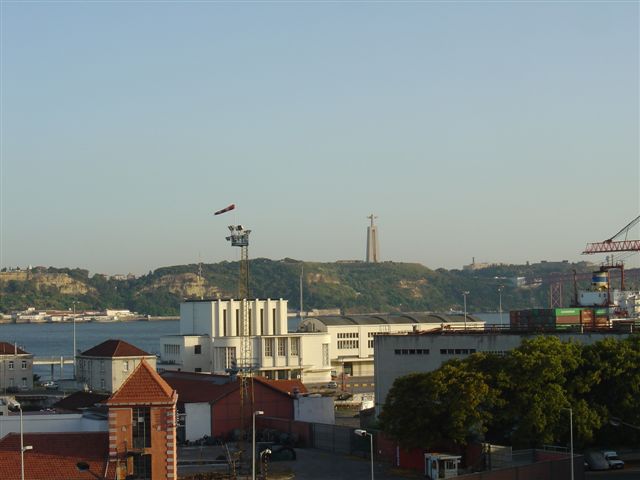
{"x": 294, "y": 347}
{"x": 348, "y": 335}
{"x": 412, "y": 351}
{"x": 171, "y": 349}
{"x": 346, "y": 344}
{"x": 11, "y": 364}
{"x": 82, "y": 364}
{"x": 457, "y": 351}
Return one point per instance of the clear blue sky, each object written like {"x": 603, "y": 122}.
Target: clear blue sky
{"x": 502, "y": 131}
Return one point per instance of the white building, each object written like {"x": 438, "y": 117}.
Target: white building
{"x": 209, "y": 341}
{"x": 352, "y": 336}
{"x": 106, "y": 366}
{"x": 16, "y": 368}
{"x": 399, "y": 355}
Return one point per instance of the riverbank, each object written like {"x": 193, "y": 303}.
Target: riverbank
{"x": 9, "y": 320}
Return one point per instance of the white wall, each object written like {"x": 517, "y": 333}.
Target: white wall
{"x": 314, "y": 409}
{"x": 51, "y": 422}
{"x": 187, "y": 360}
{"x": 197, "y": 420}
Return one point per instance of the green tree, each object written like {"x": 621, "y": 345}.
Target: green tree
{"x": 425, "y": 409}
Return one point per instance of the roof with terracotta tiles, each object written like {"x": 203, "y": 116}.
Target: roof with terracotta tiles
{"x": 11, "y": 349}
{"x": 290, "y": 387}
{"x": 199, "y": 387}
{"x": 143, "y": 387}
{"x": 55, "y": 455}
{"x": 115, "y": 348}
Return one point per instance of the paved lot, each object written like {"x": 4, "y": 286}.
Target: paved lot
{"x": 313, "y": 464}
{"x": 630, "y": 472}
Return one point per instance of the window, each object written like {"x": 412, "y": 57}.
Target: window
{"x": 172, "y": 349}
{"x": 24, "y": 381}
{"x": 262, "y": 321}
{"x": 348, "y": 335}
{"x": 295, "y": 346}
{"x": 370, "y": 343}
{"x": 197, "y": 349}
{"x": 347, "y": 344}
{"x": 142, "y": 467}
{"x": 224, "y": 323}
{"x": 24, "y": 364}
{"x": 249, "y": 314}
{"x": 101, "y": 366}
{"x": 10, "y": 364}
{"x": 125, "y": 366}
{"x": 198, "y": 370}
{"x": 282, "y": 347}
{"x": 273, "y": 317}
{"x": 141, "y": 427}
{"x": 411, "y": 351}
{"x": 268, "y": 347}
{"x": 237, "y": 322}
{"x": 102, "y": 385}
{"x": 325, "y": 354}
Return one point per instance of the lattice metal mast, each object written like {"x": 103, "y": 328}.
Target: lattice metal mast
{"x": 239, "y": 237}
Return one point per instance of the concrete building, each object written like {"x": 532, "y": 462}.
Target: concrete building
{"x": 399, "y": 355}
{"x": 209, "y": 341}
{"x": 210, "y": 404}
{"x": 352, "y": 336}
{"x": 16, "y": 368}
{"x": 106, "y": 366}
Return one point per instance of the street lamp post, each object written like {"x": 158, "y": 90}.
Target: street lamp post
{"x": 74, "y": 339}
{"x": 364, "y": 433}
{"x": 253, "y": 445}
{"x": 464, "y": 294}
{"x": 570, "y": 437}
{"x": 500, "y": 303}
{"x": 22, "y": 447}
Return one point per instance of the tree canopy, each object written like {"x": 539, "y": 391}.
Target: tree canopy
{"x": 521, "y": 398}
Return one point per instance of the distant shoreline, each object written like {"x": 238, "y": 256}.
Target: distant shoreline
{"x": 83, "y": 320}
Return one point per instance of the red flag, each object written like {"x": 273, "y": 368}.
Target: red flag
{"x": 226, "y": 209}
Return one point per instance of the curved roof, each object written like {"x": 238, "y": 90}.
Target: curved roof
{"x": 392, "y": 319}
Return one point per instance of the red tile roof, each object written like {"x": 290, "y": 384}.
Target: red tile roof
{"x": 198, "y": 388}
{"x": 11, "y": 349}
{"x": 55, "y": 455}
{"x": 143, "y": 387}
{"x": 115, "y": 348}
{"x": 286, "y": 386}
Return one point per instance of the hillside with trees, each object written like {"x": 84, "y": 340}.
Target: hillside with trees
{"x": 353, "y": 287}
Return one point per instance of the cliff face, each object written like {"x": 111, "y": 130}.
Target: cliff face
{"x": 185, "y": 285}
{"x": 61, "y": 282}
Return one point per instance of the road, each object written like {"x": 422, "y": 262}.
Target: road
{"x": 630, "y": 472}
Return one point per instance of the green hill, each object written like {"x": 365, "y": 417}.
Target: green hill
{"x": 351, "y": 286}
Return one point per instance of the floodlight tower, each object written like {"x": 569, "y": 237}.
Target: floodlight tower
{"x": 239, "y": 237}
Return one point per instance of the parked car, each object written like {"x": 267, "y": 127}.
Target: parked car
{"x": 332, "y": 385}
{"x": 50, "y": 385}
{"x": 613, "y": 459}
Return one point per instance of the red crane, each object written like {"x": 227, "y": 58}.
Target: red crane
{"x": 613, "y": 244}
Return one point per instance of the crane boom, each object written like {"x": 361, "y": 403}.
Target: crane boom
{"x": 613, "y": 245}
